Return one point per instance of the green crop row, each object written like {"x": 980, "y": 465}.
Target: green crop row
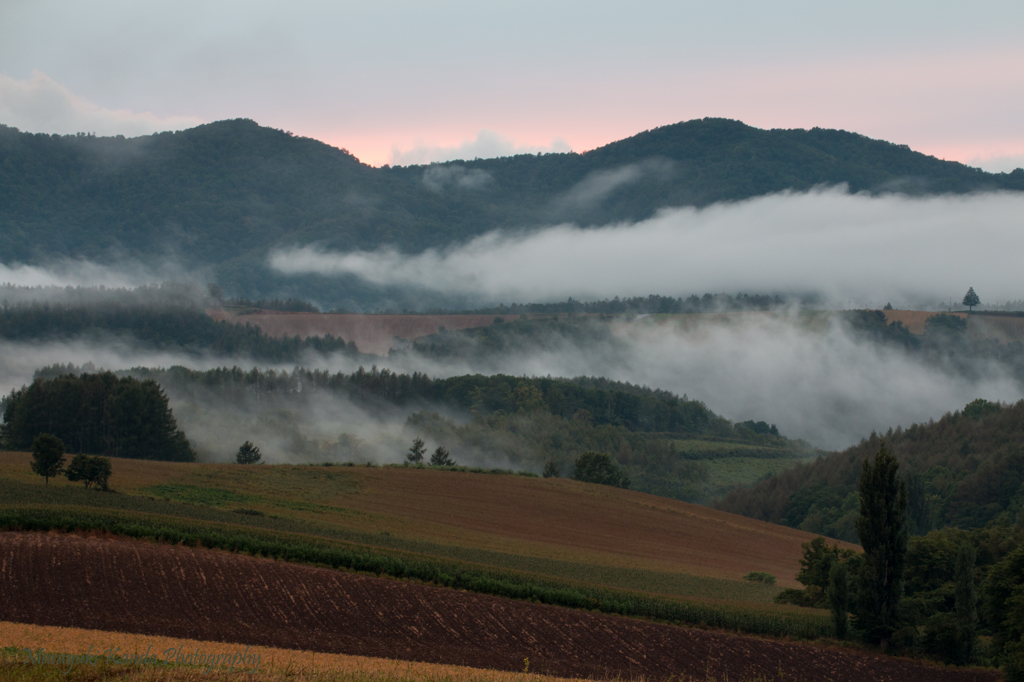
{"x": 193, "y": 503}
{"x": 509, "y": 584}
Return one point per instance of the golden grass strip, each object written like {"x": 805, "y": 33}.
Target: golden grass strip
{"x": 273, "y": 664}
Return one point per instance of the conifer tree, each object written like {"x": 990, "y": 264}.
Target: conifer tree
{"x": 883, "y": 531}
{"x": 839, "y": 597}
{"x": 966, "y": 602}
{"x": 441, "y": 458}
{"x": 971, "y": 299}
{"x": 248, "y": 454}
{"x": 417, "y": 451}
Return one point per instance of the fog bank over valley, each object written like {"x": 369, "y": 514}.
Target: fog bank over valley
{"x": 807, "y": 372}
{"x": 857, "y": 250}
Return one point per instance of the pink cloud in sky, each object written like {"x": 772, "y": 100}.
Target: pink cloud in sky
{"x": 959, "y": 106}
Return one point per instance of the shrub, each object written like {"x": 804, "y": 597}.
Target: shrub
{"x": 597, "y": 467}
{"x": 760, "y": 577}
{"x": 89, "y": 470}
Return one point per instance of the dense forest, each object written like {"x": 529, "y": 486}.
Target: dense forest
{"x": 644, "y": 305}
{"x": 204, "y": 192}
{"x": 964, "y": 470}
{"x": 162, "y": 324}
{"x": 662, "y": 441}
{"x": 96, "y": 414}
{"x": 600, "y": 401}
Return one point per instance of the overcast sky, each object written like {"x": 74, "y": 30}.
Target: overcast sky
{"x": 412, "y": 82}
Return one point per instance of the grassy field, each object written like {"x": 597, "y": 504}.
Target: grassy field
{"x": 265, "y": 664}
{"x": 707, "y": 449}
{"x": 611, "y": 545}
{"x": 145, "y": 657}
{"x": 727, "y": 473}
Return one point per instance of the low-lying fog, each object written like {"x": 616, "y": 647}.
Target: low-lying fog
{"x": 812, "y": 378}
{"x": 859, "y": 249}
{"x": 815, "y": 381}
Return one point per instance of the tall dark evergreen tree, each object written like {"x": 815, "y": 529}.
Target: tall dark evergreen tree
{"x": 919, "y": 509}
{"x": 966, "y": 601}
{"x": 839, "y": 597}
{"x": 971, "y": 299}
{"x": 416, "y": 452}
{"x": 883, "y": 531}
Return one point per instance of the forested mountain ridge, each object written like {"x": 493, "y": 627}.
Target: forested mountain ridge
{"x": 225, "y": 193}
{"x": 964, "y": 470}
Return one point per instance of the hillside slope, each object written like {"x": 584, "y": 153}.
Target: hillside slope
{"x": 222, "y": 194}
{"x": 206, "y": 595}
{"x": 964, "y": 470}
{"x": 554, "y": 527}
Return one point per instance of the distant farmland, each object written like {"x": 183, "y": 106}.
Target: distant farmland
{"x": 376, "y": 334}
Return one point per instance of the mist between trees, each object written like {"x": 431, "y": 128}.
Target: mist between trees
{"x": 661, "y": 440}
{"x": 842, "y": 374}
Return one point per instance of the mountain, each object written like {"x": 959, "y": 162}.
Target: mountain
{"x": 221, "y": 195}
{"x": 963, "y": 471}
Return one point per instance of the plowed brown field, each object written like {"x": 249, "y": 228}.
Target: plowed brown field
{"x": 589, "y": 520}
{"x": 146, "y": 588}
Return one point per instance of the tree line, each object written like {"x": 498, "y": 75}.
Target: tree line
{"x": 599, "y": 401}
{"x": 643, "y": 305}
{"x": 96, "y": 414}
{"x": 527, "y": 422}
{"x": 182, "y": 328}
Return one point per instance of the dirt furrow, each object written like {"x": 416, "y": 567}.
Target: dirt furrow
{"x": 147, "y": 588}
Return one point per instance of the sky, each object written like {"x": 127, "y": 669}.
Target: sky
{"x": 404, "y": 82}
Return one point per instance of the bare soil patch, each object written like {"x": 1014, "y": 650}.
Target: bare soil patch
{"x": 914, "y": 320}
{"x": 146, "y": 588}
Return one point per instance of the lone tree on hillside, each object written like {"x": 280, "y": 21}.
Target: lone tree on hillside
{"x": 248, "y": 454}
{"x": 47, "y": 456}
{"x": 884, "y": 534}
{"x": 417, "y": 451}
{"x": 971, "y": 299}
{"x": 441, "y": 458}
{"x": 89, "y": 470}
{"x": 551, "y": 469}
